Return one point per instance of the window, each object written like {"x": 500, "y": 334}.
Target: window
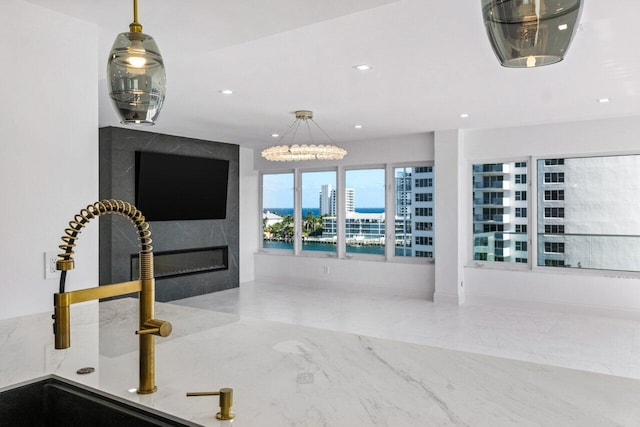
{"x": 554, "y": 212}
{"x": 277, "y": 211}
{"x": 424, "y": 211}
{"x": 554, "y": 229}
{"x": 365, "y": 220}
{"x": 424, "y": 240}
{"x": 521, "y": 246}
{"x": 424, "y": 254}
{"x": 424, "y": 226}
{"x": 304, "y": 220}
{"x": 554, "y": 177}
{"x": 553, "y": 194}
{"x": 521, "y": 228}
{"x": 481, "y": 241}
{"x": 495, "y": 210}
{"x": 590, "y": 211}
{"x": 413, "y": 222}
{"x": 554, "y": 247}
{"x": 522, "y": 260}
{"x": 424, "y": 169}
{"x": 319, "y": 229}
{"x": 424, "y": 182}
{"x": 424, "y": 197}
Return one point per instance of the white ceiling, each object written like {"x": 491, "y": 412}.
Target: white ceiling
{"x": 431, "y": 62}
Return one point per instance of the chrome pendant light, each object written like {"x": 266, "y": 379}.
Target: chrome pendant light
{"x": 296, "y": 152}
{"x": 530, "y": 33}
{"x": 136, "y": 75}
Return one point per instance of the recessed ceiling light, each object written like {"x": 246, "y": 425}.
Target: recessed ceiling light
{"x": 563, "y": 27}
{"x": 464, "y": 115}
{"x": 275, "y": 135}
{"x": 357, "y": 126}
{"x": 362, "y": 67}
{"x": 603, "y": 100}
{"x": 226, "y": 91}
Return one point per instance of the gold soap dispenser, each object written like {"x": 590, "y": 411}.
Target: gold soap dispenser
{"x": 226, "y": 401}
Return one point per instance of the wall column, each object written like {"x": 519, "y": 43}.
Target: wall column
{"x": 451, "y": 217}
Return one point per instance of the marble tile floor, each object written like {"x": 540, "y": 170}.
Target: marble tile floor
{"x": 596, "y": 343}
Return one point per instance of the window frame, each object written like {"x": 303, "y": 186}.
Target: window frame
{"x": 515, "y": 170}
{"x": 567, "y": 269}
{"x": 340, "y": 253}
{"x": 391, "y": 255}
{"x": 343, "y": 219}
{"x": 261, "y": 247}
{"x": 309, "y": 253}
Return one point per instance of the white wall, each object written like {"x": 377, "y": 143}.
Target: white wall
{"x": 449, "y": 212}
{"x": 390, "y": 277}
{"x": 249, "y": 221}
{"x": 48, "y": 150}
{"x": 453, "y": 153}
{"x": 591, "y": 290}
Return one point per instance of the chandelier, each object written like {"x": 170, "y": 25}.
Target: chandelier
{"x": 135, "y": 75}
{"x": 295, "y": 152}
{"x": 530, "y": 33}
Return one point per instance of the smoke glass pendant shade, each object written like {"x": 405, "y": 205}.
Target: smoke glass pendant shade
{"x": 136, "y": 76}
{"x": 530, "y": 33}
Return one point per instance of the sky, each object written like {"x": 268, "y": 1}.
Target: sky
{"x": 368, "y": 185}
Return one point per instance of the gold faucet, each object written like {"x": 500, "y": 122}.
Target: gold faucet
{"x": 145, "y": 286}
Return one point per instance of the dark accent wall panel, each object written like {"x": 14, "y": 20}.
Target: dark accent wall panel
{"x": 118, "y": 238}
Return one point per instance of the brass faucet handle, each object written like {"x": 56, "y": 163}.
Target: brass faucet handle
{"x": 226, "y": 401}
{"x": 156, "y": 327}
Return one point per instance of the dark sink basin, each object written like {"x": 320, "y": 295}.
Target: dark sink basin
{"x": 53, "y": 401}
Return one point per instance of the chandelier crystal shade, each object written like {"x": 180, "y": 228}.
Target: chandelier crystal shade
{"x": 530, "y": 33}
{"x": 295, "y": 152}
{"x": 136, "y": 75}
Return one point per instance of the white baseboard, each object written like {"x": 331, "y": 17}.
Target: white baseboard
{"x": 554, "y": 307}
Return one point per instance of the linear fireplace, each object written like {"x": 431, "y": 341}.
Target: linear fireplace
{"x": 185, "y": 262}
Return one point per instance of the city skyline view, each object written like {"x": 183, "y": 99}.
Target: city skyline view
{"x": 365, "y": 228}
{"x": 369, "y": 185}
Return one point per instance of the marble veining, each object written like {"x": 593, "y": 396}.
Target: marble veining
{"x": 364, "y": 381}
{"x": 596, "y": 343}
{"x": 287, "y": 374}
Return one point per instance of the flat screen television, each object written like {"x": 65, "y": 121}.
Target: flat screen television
{"x": 171, "y": 187}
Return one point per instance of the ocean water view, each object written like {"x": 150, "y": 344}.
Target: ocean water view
{"x": 323, "y": 247}
{"x": 311, "y": 245}
{"x": 316, "y": 211}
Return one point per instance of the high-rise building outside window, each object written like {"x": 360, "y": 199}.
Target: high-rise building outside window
{"x": 318, "y": 208}
{"x": 588, "y": 212}
{"x": 277, "y": 211}
{"x": 365, "y": 224}
{"x": 414, "y": 211}
{"x": 500, "y": 212}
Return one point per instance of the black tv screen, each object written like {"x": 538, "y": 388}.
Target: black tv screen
{"x": 170, "y": 187}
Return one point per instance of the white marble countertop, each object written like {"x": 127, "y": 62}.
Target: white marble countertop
{"x": 287, "y": 375}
